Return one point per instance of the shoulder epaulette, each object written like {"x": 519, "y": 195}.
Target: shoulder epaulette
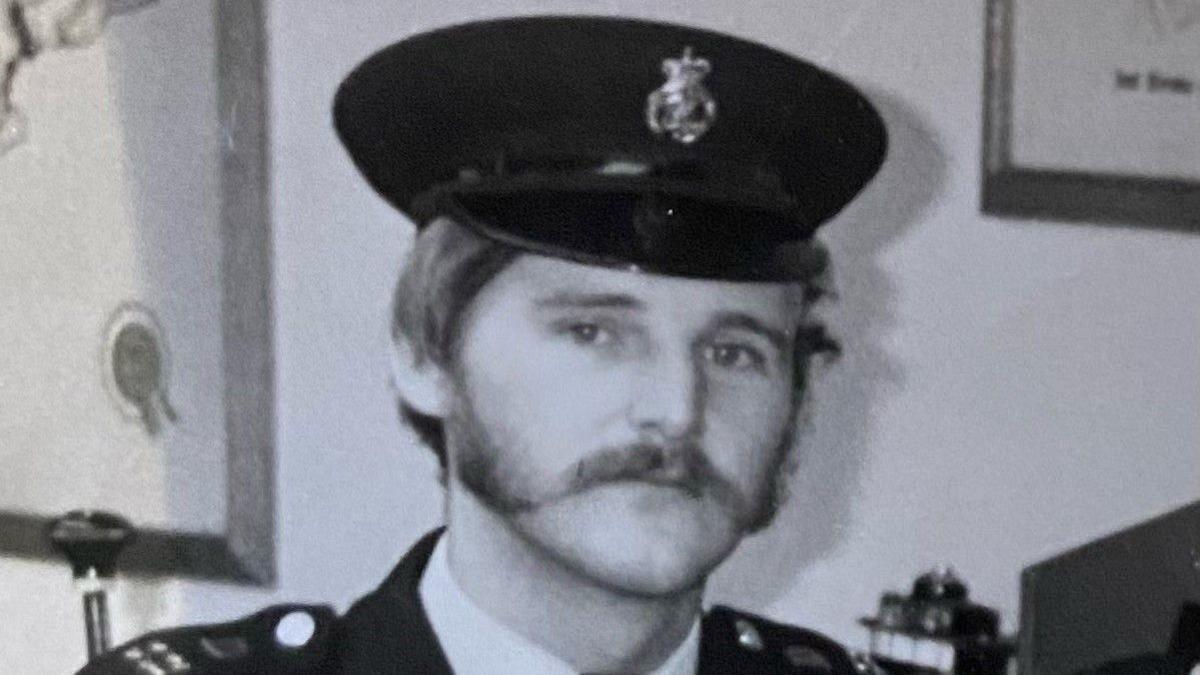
{"x": 737, "y": 642}
{"x": 280, "y": 640}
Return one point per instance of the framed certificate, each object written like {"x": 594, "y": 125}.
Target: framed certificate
{"x": 1092, "y": 111}
{"x": 136, "y": 317}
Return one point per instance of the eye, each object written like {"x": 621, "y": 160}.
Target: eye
{"x": 735, "y": 357}
{"x": 589, "y": 333}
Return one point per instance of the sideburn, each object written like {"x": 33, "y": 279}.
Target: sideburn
{"x": 474, "y": 461}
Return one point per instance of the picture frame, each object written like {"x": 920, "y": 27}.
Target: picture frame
{"x": 243, "y": 551}
{"x": 1107, "y": 135}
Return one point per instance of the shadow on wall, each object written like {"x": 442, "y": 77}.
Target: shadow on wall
{"x": 834, "y": 444}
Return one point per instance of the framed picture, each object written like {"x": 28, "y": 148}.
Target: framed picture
{"x": 1092, "y": 111}
{"x": 138, "y": 370}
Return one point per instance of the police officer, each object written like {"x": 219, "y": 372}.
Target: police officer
{"x": 603, "y": 331}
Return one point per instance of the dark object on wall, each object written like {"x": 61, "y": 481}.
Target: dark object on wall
{"x": 92, "y": 541}
{"x": 1126, "y": 596}
{"x": 1089, "y": 112}
{"x": 137, "y": 366}
{"x": 937, "y": 629}
{"x": 243, "y": 549}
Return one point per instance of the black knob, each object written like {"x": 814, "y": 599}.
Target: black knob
{"x": 91, "y": 541}
{"x": 939, "y": 584}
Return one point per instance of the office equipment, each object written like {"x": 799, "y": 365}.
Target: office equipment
{"x": 1132, "y": 594}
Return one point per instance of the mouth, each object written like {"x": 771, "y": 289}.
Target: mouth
{"x": 687, "y": 487}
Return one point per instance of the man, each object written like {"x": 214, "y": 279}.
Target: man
{"x": 603, "y": 331}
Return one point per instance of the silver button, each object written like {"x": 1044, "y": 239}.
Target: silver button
{"x": 295, "y": 629}
{"x": 177, "y": 664}
{"x": 748, "y": 635}
{"x": 134, "y": 654}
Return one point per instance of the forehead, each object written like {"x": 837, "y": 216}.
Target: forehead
{"x": 543, "y": 282}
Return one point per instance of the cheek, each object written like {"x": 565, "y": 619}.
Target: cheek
{"x": 540, "y": 399}
{"x": 744, "y": 429}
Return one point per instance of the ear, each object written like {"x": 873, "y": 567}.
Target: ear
{"x": 423, "y": 384}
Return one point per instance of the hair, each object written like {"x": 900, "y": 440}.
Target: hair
{"x": 450, "y": 264}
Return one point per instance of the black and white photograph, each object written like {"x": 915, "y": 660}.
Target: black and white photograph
{"x": 595, "y": 336}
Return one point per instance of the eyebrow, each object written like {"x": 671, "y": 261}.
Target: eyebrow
{"x": 742, "y": 321}
{"x": 590, "y": 301}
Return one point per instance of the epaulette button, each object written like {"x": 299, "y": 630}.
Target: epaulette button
{"x": 748, "y": 635}
{"x": 150, "y": 668}
{"x": 177, "y": 664}
{"x": 295, "y": 629}
{"x": 156, "y": 658}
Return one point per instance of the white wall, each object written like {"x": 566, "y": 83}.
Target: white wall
{"x": 111, "y": 200}
{"x": 1011, "y": 388}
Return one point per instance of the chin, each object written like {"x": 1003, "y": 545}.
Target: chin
{"x": 634, "y": 539}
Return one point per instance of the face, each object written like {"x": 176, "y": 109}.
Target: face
{"x": 630, "y": 426}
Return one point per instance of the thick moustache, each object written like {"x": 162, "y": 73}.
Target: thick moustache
{"x": 684, "y": 467}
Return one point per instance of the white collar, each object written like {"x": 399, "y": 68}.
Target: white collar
{"x": 477, "y": 644}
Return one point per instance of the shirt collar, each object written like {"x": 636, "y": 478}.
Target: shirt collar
{"x": 477, "y": 644}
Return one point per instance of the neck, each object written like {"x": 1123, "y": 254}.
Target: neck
{"x": 591, "y": 627}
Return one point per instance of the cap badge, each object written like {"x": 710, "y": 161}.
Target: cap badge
{"x": 682, "y": 107}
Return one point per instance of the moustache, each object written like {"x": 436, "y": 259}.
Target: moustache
{"x": 684, "y": 466}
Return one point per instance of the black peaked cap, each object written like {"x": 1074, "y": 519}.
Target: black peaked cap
{"x": 570, "y": 137}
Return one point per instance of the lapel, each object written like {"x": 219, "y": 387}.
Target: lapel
{"x": 386, "y": 632}
{"x": 714, "y": 652}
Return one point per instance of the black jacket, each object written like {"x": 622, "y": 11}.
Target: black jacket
{"x": 387, "y": 633}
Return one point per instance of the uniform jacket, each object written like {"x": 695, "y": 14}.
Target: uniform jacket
{"x": 387, "y": 633}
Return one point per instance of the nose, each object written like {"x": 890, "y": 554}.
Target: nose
{"x": 668, "y": 401}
